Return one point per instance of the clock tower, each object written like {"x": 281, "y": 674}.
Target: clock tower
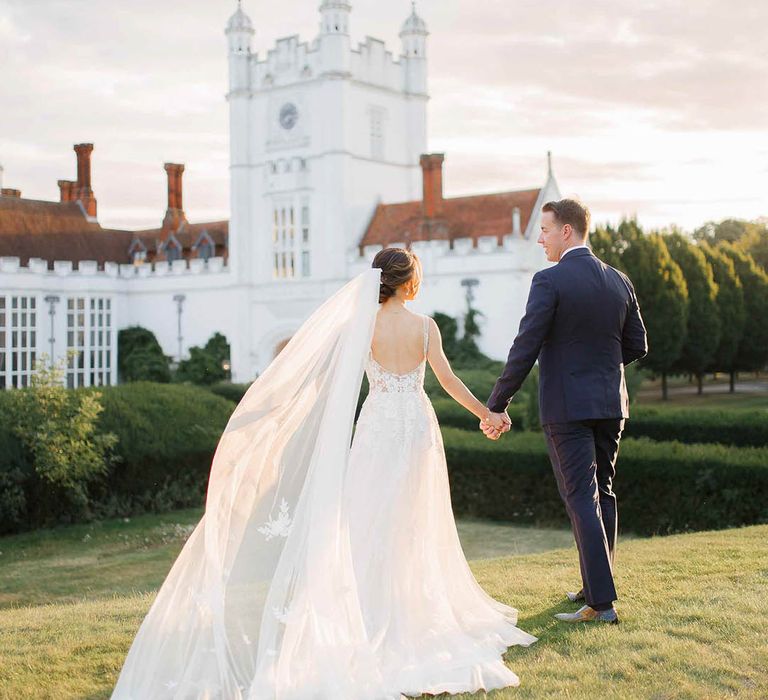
{"x": 320, "y": 133}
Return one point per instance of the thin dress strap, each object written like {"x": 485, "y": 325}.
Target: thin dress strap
{"x": 426, "y": 335}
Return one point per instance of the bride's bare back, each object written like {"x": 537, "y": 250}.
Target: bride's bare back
{"x": 398, "y": 347}
{"x": 398, "y": 340}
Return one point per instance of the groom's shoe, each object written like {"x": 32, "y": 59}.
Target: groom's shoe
{"x": 587, "y": 614}
{"x": 575, "y": 597}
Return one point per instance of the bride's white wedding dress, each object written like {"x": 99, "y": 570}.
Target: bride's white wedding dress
{"x": 320, "y": 571}
{"x": 433, "y": 627}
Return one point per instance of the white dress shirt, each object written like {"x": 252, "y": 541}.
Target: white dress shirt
{"x": 575, "y": 247}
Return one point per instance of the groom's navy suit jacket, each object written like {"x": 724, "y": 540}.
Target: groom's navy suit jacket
{"x": 583, "y": 323}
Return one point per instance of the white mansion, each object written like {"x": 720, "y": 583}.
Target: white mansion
{"x": 328, "y": 163}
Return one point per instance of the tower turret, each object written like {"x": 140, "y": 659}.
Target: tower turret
{"x": 414, "y": 37}
{"x": 239, "y": 32}
{"x": 334, "y": 36}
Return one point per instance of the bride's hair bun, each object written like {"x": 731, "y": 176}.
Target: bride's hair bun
{"x": 398, "y": 266}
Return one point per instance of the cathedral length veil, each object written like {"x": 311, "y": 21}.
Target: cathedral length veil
{"x": 261, "y": 603}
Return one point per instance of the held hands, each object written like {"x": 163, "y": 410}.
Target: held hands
{"x": 494, "y": 424}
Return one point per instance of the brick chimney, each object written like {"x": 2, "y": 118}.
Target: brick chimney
{"x": 432, "y": 178}
{"x": 67, "y": 190}
{"x": 10, "y": 192}
{"x": 81, "y": 190}
{"x": 174, "y": 214}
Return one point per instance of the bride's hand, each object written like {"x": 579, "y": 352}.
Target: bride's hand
{"x": 494, "y": 424}
{"x": 498, "y": 421}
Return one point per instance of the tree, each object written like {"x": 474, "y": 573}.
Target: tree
{"x": 755, "y": 243}
{"x": 607, "y": 245}
{"x": 752, "y": 354}
{"x": 206, "y": 365}
{"x": 58, "y": 428}
{"x": 218, "y": 347}
{"x": 662, "y": 295}
{"x": 140, "y": 357}
{"x": 462, "y": 352}
{"x": 730, "y": 308}
{"x": 703, "y": 329}
{"x": 467, "y": 350}
{"x": 449, "y": 329}
{"x": 730, "y": 230}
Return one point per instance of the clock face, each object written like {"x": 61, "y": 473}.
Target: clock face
{"x": 289, "y": 115}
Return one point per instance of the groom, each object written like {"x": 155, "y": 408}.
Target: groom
{"x": 582, "y": 322}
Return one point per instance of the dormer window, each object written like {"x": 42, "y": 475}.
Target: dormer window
{"x": 137, "y": 251}
{"x": 205, "y": 246}
{"x": 172, "y": 249}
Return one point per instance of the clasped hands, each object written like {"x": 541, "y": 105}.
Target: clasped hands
{"x": 494, "y": 424}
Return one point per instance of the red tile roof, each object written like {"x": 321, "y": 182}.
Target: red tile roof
{"x": 60, "y": 231}
{"x": 102, "y": 245}
{"x": 187, "y": 234}
{"x": 35, "y": 216}
{"x": 472, "y": 217}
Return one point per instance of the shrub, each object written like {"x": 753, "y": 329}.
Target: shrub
{"x": 737, "y": 426}
{"x": 166, "y": 438}
{"x": 140, "y": 356}
{"x": 15, "y": 468}
{"x": 479, "y": 380}
{"x": 206, "y": 365}
{"x": 57, "y": 429}
{"x": 661, "y": 487}
{"x": 229, "y": 390}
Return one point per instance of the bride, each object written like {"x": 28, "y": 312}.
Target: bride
{"x": 321, "y": 571}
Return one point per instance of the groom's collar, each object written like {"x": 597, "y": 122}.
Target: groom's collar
{"x": 576, "y": 251}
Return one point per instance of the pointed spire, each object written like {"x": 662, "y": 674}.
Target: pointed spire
{"x": 414, "y": 24}
{"x": 239, "y": 21}
{"x": 549, "y": 163}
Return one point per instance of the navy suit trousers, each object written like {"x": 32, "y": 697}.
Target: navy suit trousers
{"x": 583, "y": 455}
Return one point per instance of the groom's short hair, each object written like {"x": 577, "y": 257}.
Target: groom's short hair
{"x": 569, "y": 211}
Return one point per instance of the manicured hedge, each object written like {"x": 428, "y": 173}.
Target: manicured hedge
{"x": 661, "y": 487}
{"x": 168, "y": 433}
{"x": 736, "y": 426}
{"x": 233, "y": 392}
{"x": 479, "y": 381}
{"x": 167, "y": 436}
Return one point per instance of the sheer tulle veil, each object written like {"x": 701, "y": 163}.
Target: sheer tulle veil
{"x": 261, "y": 603}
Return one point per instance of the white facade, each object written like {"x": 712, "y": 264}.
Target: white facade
{"x": 320, "y": 133}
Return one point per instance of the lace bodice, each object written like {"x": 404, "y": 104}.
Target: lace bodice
{"x": 382, "y": 380}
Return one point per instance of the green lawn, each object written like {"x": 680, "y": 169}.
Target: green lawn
{"x": 693, "y": 608}
{"x": 88, "y": 561}
{"x": 741, "y": 399}
{"x": 751, "y": 392}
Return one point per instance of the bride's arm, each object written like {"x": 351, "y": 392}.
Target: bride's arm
{"x": 446, "y": 376}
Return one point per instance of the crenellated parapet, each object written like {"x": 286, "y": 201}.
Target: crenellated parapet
{"x": 89, "y": 268}
{"x": 292, "y": 61}
{"x": 467, "y": 254}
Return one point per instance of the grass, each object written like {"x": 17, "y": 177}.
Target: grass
{"x": 693, "y": 608}
{"x": 132, "y": 555}
{"x": 751, "y": 392}
{"x": 745, "y": 400}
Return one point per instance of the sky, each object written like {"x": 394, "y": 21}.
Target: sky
{"x": 656, "y": 109}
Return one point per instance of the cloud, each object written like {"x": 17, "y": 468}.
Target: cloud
{"x": 699, "y": 65}
{"x": 656, "y": 103}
